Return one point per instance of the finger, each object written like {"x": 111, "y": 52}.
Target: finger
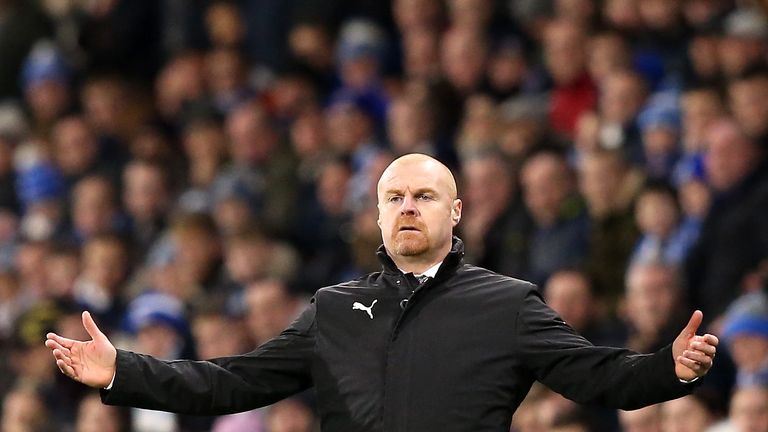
{"x": 704, "y": 348}
{"x": 711, "y": 339}
{"x": 52, "y": 344}
{"x": 66, "y": 343}
{"x": 693, "y": 324}
{"x": 58, "y": 355}
{"x": 90, "y": 326}
{"x": 698, "y": 357}
{"x": 65, "y": 369}
{"x": 690, "y": 364}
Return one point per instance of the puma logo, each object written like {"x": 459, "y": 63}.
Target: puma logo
{"x": 362, "y": 307}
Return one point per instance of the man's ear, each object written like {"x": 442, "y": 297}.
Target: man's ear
{"x": 456, "y": 211}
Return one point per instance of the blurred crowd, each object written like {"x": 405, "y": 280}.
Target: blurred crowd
{"x": 191, "y": 171}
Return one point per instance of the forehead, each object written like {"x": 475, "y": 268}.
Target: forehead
{"x": 414, "y": 177}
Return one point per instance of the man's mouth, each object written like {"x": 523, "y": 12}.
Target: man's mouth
{"x": 408, "y": 228}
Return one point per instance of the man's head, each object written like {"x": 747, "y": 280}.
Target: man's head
{"x": 569, "y": 293}
{"x": 731, "y": 155}
{"x": 418, "y": 209}
{"x": 547, "y": 182}
{"x": 652, "y": 294}
{"x": 749, "y": 409}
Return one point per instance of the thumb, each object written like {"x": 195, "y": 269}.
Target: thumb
{"x": 90, "y": 326}
{"x": 693, "y": 324}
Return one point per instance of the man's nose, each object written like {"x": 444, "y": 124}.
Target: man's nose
{"x": 408, "y": 208}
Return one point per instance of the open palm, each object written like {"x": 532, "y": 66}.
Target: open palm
{"x": 91, "y": 362}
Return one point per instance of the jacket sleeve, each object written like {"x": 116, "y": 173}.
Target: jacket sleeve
{"x": 570, "y": 365}
{"x": 275, "y": 370}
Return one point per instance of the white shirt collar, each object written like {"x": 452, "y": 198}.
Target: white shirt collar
{"x": 431, "y": 272}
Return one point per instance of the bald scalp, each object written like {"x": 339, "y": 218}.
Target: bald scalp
{"x": 418, "y": 162}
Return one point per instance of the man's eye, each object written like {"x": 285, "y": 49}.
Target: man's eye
{"x": 424, "y": 197}
{"x": 395, "y": 198}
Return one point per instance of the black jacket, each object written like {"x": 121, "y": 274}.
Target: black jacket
{"x": 458, "y": 354}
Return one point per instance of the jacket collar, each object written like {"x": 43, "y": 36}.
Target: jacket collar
{"x": 452, "y": 261}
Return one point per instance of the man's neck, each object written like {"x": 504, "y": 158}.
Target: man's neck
{"x": 417, "y": 264}
{"x": 414, "y": 268}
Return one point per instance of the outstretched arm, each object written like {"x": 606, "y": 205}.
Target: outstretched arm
{"x": 614, "y": 377}
{"x": 275, "y": 370}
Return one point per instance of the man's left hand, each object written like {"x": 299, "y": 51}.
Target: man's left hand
{"x": 693, "y": 354}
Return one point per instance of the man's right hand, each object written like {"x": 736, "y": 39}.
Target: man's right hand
{"x": 91, "y": 362}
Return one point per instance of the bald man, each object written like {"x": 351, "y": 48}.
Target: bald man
{"x": 427, "y": 344}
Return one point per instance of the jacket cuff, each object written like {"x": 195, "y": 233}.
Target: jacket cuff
{"x": 109, "y": 395}
{"x": 666, "y": 362}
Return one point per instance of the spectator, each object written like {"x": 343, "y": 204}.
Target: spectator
{"x": 735, "y": 171}
{"x": 560, "y": 235}
{"x": 105, "y": 266}
{"x": 747, "y": 94}
{"x": 24, "y": 410}
{"x": 749, "y": 409}
{"x": 311, "y": 46}
{"x": 45, "y": 79}
{"x": 61, "y": 268}
{"x": 622, "y": 96}
{"x": 75, "y": 149}
{"x": 250, "y": 256}
{"x": 352, "y": 131}
{"x": 607, "y": 187}
{"x": 270, "y": 308}
{"x": 94, "y": 208}
{"x": 321, "y": 228}
{"x": 290, "y": 415}
{"x": 646, "y": 419}
{"x": 258, "y": 159}
{"x": 664, "y": 237}
{"x": 226, "y": 74}
{"x": 700, "y": 107}
{"x": 179, "y": 84}
{"x": 659, "y": 125}
{"x": 479, "y": 127}
{"x": 146, "y": 198}
{"x": 195, "y": 267}
{"x": 412, "y": 15}
{"x": 574, "y": 91}
{"x": 703, "y": 54}
{"x": 495, "y": 225}
{"x": 410, "y": 128}
{"x": 203, "y": 141}
{"x": 464, "y": 54}
{"x": 29, "y": 259}
{"x": 41, "y": 190}
{"x": 109, "y": 108}
{"x": 743, "y": 43}
{"x": 361, "y": 49}
{"x": 421, "y": 52}
{"x": 160, "y": 328}
{"x": 93, "y": 416}
{"x": 569, "y": 292}
{"x": 745, "y": 331}
{"x": 608, "y": 52}
{"x": 652, "y": 302}
{"x": 690, "y": 413}
{"x": 224, "y": 24}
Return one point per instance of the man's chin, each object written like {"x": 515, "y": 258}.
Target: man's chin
{"x": 411, "y": 247}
